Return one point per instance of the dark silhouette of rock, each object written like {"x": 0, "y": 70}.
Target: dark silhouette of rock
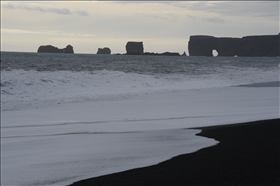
{"x": 227, "y": 46}
{"x": 52, "y": 49}
{"x": 150, "y": 54}
{"x": 249, "y": 46}
{"x": 68, "y": 49}
{"x": 162, "y": 54}
{"x": 105, "y": 50}
{"x": 259, "y": 46}
{"x": 48, "y": 49}
{"x": 134, "y": 48}
{"x": 170, "y": 54}
{"x": 184, "y": 54}
{"x": 201, "y": 45}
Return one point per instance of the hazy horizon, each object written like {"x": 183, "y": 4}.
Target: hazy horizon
{"x": 161, "y": 26}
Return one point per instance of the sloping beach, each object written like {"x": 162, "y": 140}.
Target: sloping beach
{"x": 72, "y": 142}
{"x": 248, "y": 154}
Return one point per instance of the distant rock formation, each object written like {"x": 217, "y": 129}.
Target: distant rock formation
{"x": 134, "y": 48}
{"x": 105, "y": 50}
{"x": 68, "y": 49}
{"x": 249, "y": 46}
{"x": 170, "y": 54}
{"x": 162, "y": 54}
{"x": 260, "y": 46}
{"x": 52, "y": 49}
{"x": 204, "y": 46}
{"x": 184, "y": 54}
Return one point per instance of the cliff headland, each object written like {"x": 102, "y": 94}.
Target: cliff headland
{"x": 248, "y": 46}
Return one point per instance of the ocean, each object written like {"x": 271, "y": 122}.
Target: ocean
{"x": 62, "y": 78}
{"x": 68, "y": 117}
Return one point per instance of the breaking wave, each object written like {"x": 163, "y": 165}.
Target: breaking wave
{"x": 21, "y": 89}
{"x": 34, "y": 80}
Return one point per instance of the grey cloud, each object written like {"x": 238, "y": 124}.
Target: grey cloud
{"x": 60, "y": 11}
{"x": 64, "y": 11}
{"x": 82, "y": 13}
{"x": 234, "y": 8}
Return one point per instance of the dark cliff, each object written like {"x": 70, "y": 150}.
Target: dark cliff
{"x": 249, "y": 46}
{"x": 52, "y": 49}
{"x": 259, "y": 46}
{"x": 105, "y": 50}
{"x": 134, "y": 48}
{"x": 201, "y": 45}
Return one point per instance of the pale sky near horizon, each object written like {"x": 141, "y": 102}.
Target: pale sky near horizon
{"x": 162, "y": 26}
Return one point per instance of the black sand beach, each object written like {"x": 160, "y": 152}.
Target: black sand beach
{"x": 248, "y": 154}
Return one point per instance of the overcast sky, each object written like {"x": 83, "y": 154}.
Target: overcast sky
{"x": 162, "y": 26}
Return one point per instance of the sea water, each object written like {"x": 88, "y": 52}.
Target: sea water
{"x": 32, "y": 80}
{"x": 68, "y": 117}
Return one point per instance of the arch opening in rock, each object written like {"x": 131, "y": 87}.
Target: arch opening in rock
{"x": 215, "y": 53}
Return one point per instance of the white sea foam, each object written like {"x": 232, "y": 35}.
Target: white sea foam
{"x": 22, "y": 89}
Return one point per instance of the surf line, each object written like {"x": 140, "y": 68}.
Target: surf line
{"x": 106, "y": 121}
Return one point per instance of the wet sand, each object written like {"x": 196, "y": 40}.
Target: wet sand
{"x": 263, "y": 84}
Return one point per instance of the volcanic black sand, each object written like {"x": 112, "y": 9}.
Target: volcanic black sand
{"x": 248, "y": 154}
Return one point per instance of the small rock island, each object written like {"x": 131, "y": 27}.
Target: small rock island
{"x": 104, "y": 50}
{"x": 134, "y": 48}
{"x": 52, "y": 49}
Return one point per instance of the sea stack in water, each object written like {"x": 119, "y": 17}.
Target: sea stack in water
{"x": 248, "y": 46}
{"x": 68, "y": 49}
{"x": 105, "y": 50}
{"x": 134, "y": 48}
{"x": 52, "y": 49}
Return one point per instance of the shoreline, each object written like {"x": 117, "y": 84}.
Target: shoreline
{"x": 248, "y": 154}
